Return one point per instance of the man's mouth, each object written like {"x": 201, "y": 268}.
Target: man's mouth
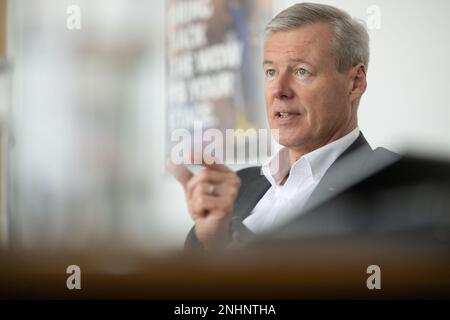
{"x": 285, "y": 115}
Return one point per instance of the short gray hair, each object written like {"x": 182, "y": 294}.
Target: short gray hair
{"x": 350, "y": 41}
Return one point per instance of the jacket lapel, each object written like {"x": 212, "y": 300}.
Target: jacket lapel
{"x": 341, "y": 170}
{"x": 250, "y": 195}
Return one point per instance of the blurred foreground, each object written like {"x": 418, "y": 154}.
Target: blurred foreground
{"x": 396, "y": 218}
{"x": 332, "y": 268}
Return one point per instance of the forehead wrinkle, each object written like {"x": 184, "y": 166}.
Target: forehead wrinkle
{"x": 293, "y": 58}
{"x": 303, "y": 53}
{"x": 287, "y": 43}
{"x": 288, "y": 47}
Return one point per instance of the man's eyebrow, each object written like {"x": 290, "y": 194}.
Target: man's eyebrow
{"x": 291, "y": 61}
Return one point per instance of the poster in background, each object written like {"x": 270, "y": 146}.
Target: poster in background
{"x": 214, "y": 64}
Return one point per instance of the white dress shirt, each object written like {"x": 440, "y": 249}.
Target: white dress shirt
{"x": 275, "y": 207}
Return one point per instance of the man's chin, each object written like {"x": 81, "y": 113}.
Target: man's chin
{"x": 294, "y": 141}
{"x": 288, "y": 142}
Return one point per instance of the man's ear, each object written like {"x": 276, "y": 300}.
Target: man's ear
{"x": 358, "y": 82}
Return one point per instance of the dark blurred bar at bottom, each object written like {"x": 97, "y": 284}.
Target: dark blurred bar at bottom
{"x": 318, "y": 269}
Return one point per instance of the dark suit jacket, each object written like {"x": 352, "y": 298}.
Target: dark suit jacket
{"x": 254, "y": 185}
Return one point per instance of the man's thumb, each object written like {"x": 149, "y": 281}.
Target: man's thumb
{"x": 180, "y": 172}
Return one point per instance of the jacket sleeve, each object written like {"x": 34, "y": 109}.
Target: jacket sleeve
{"x": 192, "y": 243}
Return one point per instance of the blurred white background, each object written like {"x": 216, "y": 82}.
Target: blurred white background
{"x": 88, "y": 116}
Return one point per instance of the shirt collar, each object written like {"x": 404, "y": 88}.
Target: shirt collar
{"x": 318, "y": 160}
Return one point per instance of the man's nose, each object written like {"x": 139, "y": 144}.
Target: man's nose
{"x": 282, "y": 88}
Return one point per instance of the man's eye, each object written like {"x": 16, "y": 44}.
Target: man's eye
{"x": 270, "y": 73}
{"x": 302, "y": 72}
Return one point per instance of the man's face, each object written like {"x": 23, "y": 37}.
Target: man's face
{"x": 308, "y": 100}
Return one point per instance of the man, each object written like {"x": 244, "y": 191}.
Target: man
{"x": 315, "y": 63}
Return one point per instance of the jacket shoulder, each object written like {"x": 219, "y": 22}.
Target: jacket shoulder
{"x": 385, "y": 155}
